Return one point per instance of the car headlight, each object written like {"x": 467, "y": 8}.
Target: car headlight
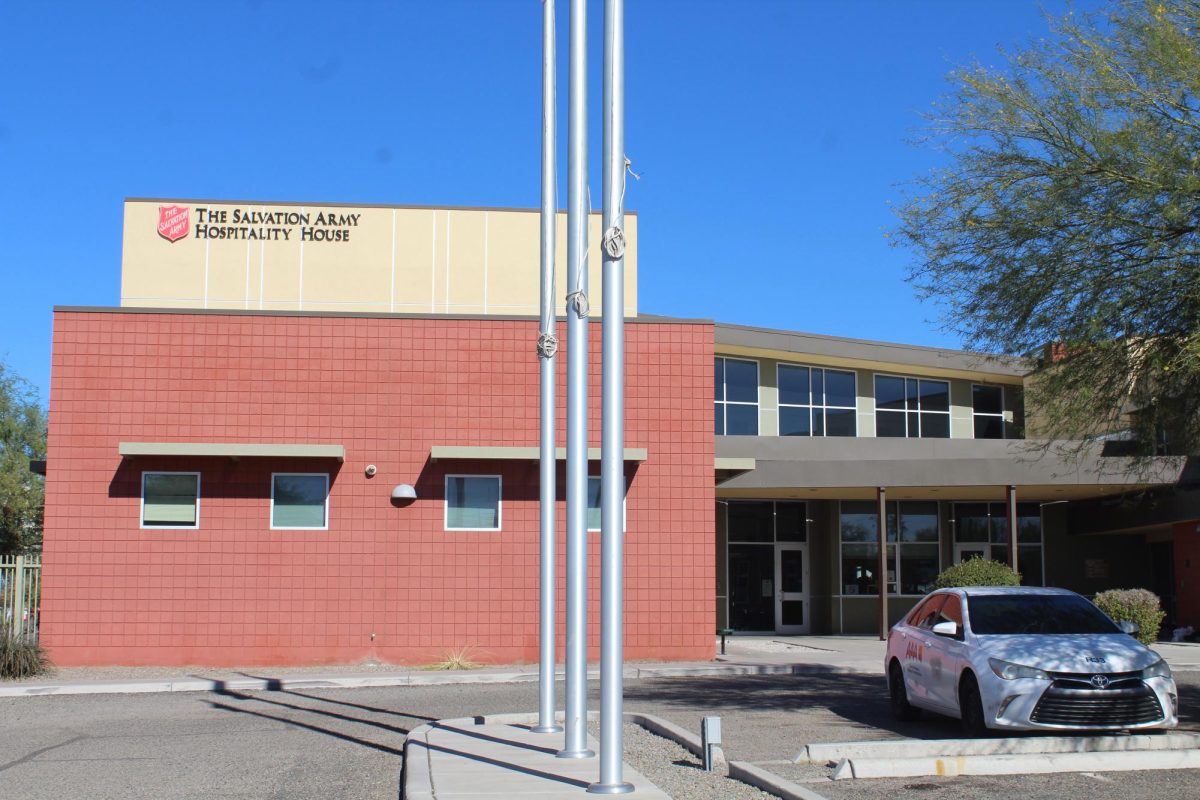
{"x": 1010, "y": 671}
{"x": 1158, "y": 669}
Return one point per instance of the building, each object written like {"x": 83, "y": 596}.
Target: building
{"x": 224, "y": 448}
{"x": 811, "y": 428}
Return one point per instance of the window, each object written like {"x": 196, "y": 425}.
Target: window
{"x": 299, "y": 501}
{"x": 593, "y": 505}
{"x": 913, "y": 559}
{"x": 919, "y": 554}
{"x": 1022, "y": 615}
{"x": 736, "y": 385}
{"x": 912, "y": 407}
{"x": 860, "y": 549}
{"x": 816, "y": 402}
{"x": 924, "y": 610}
{"x": 981, "y": 529}
{"x": 987, "y": 403}
{"x": 952, "y": 612}
{"x": 170, "y": 499}
{"x": 767, "y": 522}
{"x": 931, "y": 612}
{"x": 472, "y": 503}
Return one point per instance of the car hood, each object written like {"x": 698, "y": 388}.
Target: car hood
{"x": 1071, "y": 653}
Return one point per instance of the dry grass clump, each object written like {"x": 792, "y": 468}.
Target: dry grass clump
{"x": 20, "y": 656}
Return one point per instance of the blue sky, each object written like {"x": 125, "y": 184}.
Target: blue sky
{"x": 772, "y": 136}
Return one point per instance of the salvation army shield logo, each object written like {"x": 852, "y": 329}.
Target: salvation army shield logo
{"x": 172, "y": 222}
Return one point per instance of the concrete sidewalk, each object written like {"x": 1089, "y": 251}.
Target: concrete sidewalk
{"x": 744, "y": 655}
{"x": 479, "y": 758}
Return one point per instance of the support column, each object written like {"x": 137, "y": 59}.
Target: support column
{"x": 1011, "y": 508}
{"x": 882, "y": 582}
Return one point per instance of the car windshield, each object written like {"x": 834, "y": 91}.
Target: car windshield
{"x": 1011, "y": 614}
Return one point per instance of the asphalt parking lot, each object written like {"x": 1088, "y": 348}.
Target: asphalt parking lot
{"x": 348, "y": 743}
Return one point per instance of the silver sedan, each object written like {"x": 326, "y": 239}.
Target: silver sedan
{"x": 1023, "y": 658}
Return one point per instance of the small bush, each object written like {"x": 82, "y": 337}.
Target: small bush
{"x": 1139, "y": 606}
{"x": 20, "y": 657}
{"x": 977, "y": 572}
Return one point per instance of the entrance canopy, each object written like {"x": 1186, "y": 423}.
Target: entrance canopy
{"x": 960, "y": 469}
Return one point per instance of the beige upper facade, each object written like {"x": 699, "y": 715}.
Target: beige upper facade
{"x": 333, "y": 257}
{"x": 961, "y": 371}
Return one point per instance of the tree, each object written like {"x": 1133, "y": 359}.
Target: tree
{"x": 1068, "y": 213}
{"x": 22, "y": 438}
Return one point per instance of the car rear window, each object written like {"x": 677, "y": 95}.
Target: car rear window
{"x": 1002, "y": 615}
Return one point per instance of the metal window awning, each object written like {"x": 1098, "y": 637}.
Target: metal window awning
{"x": 233, "y": 450}
{"x": 468, "y": 453}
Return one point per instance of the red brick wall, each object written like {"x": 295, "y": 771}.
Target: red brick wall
{"x": 383, "y": 582}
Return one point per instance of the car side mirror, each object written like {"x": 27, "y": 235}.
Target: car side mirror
{"x": 1128, "y": 626}
{"x": 946, "y": 628}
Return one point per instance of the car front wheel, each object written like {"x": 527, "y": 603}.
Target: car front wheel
{"x": 901, "y": 709}
{"x": 970, "y": 706}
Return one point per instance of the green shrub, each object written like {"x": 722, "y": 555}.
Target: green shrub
{"x": 977, "y": 572}
{"x": 1139, "y": 606}
{"x": 20, "y": 656}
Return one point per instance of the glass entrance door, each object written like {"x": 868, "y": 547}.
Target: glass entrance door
{"x": 751, "y": 587}
{"x": 791, "y": 578}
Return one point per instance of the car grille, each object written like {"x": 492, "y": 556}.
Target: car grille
{"x": 1072, "y": 700}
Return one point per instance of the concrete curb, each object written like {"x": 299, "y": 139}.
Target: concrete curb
{"x": 737, "y": 770}
{"x": 761, "y": 779}
{"x": 833, "y": 752}
{"x": 1017, "y": 764}
{"x": 432, "y": 678}
{"x": 681, "y": 736}
{"x": 416, "y": 779}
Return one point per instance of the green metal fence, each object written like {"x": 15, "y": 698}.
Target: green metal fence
{"x": 20, "y": 594}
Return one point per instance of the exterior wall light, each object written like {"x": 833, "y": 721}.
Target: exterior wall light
{"x": 404, "y": 492}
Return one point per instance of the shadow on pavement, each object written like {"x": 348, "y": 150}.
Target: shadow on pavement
{"x": 322, "y": 715}
{"x": 397, "y": 750}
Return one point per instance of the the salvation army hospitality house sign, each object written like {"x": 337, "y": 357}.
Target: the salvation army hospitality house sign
{"x": 175, "y": 223}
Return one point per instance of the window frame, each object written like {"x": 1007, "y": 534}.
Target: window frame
{"x": 987, "y": 546}
{"x": 811, "y": 405}
{"x": 895, "y": 547}
{"x": 325, "y": 515}
{"x": 774, "y": 540}
{"x": 624, "y": 505}
{"x": 446, "y": 503}
{"x": 974, "y": 413}
{"x": 932, "y": 609}
{"x": 724, "y": 403}
{"x": 908, "y": 434}
{"x": 913, "y": 618}
{"x": 142, "y": 506}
